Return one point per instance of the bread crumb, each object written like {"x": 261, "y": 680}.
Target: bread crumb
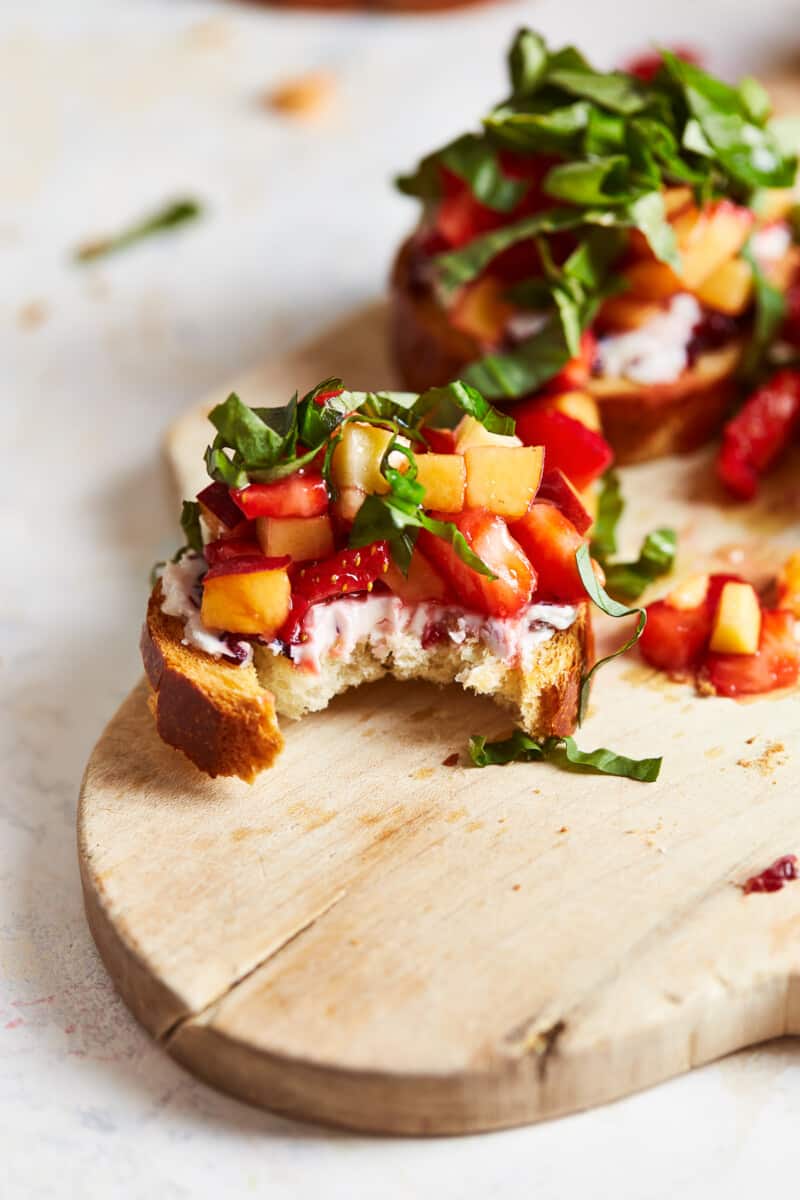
{"x": 33, "y": 314}
{"x": 771, "y": 757}
{"x": 564, "y": 829}
{"x": 306, "y": 96}
{"x": 516, "y": 887}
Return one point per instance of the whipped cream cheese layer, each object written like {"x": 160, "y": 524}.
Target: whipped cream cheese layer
{"x": 657, "y": 352}
{"x": 336, "y": 628}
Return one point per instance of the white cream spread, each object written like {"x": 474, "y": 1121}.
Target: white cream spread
{"x": 770, "y": 244}
{"x": 336, "y": 628}
{"x": 657, "y": 352}
{"x": 178, "y": 583}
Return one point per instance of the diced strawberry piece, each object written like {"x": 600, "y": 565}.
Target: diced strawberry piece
{"x": 461, "y": 217}
{"x": 556, "y": 488}
{"x": 570, "y": 446}
{"x": 756, "y": 437}
{"x": 440, "y": 441}
{"x": 551, "y": 542}
{"x": 321, "y": 397}
{"x": 230, "y": 547}
{"x": 217, "y": 499}
{"x": 343, "y": 573}
{"x": 298, "y": 495}
{"x": 776, "y": 663}
{"x": 488, "y": 536}
{"x": 575, "y": 374}
{"x": 676, "y": 639}
{"x": 423, "y": 581}
{"x": 646, "y": 66}
{"x": 245, "y": 564}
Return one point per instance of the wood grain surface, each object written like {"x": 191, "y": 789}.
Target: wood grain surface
{"x": 369, "y": 938}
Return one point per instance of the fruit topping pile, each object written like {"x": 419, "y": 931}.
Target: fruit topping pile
{"x": 434, "y": 498}
{"x": 589, "y": 201}
{"x": 717, "y": 629}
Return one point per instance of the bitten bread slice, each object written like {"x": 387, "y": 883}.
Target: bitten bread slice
{"x": 640, "y": 421}
{"x": 543, "y": 696}
{"x": 223, "y": 716}
{"x": 217, "y": 713}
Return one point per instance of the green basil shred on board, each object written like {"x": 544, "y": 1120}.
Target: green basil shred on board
{"x": 656, "y": 556}
{"x": 519, "y": 747}
{"x": 260, "y": 445}
{"x": 619, "y": 142}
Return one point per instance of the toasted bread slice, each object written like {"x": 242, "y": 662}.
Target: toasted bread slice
{"x": 640, "y": 421}
{"x": 217, "y": 713}
{"x": 223, "y": 716}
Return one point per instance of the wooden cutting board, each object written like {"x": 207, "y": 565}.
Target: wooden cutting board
{"x": 370, "y": 938}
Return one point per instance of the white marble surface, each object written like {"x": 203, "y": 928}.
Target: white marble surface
{"x": 108, "y": 107}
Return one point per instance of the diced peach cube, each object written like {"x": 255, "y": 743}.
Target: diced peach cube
{"x": 707, "y": 239}
{"x": 690, "y": 593}
{"x": 649, "y": 279}
{"x": 481, "y": 310}
{"x": 246, "y": 601}
{"x": 729, "y": 288}
{"x": 580, "y": 406}
{"x": 358, "y": 456}
{"x": 470, "y": 432}
{"x": 503, "y": 479}
{"x": 302, "y": 538}
{"x": 444, "y": 478}
{"x": 737, "y": 622}
{"x": 789, "y": 584}
{"x": 346, "y": 505}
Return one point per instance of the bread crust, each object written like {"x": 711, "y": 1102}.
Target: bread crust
{"x": 640, "y": 422}
{"x": 216, "y": 713}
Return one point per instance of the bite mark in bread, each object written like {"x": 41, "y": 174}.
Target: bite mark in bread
{"x": 223, "y": 716}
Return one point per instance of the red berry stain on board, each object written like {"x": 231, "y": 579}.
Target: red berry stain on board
{"x": 451, "y": 760}
{"x": 782, "y": 871}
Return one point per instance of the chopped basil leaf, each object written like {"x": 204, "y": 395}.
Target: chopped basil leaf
{"x": 445, "y": 406}
{"x": 224, "y": 469}
{"x": 174, "y": 214}
{"x": 244, "y": 430}
{"x": 611, "y": 608}
{"x": 554, "y": 130}
{"x": 610, "y": 507}
{"x": 190, "y": 524}
{"x": 523, "y": 369}
{"x": 770, "y": 312}
{"x": 527, "y": 63}
{"x": 519, "y": 747}
{"x": 656, "y": 558}
{"x": 747, "y": 151}
{"x": 473, "y": 159}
